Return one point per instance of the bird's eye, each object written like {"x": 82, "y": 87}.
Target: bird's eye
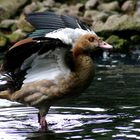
{"x": 91, "y": 39}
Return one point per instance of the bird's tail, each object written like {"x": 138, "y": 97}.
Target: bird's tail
{"x": 4, "y": 86}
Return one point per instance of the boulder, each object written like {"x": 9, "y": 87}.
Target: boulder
{"x": 16, "y": 36}
{"x": 119, "y": 23}
{"x": 137, "y": 4}
{"x": 9, "y": 24}
{"x": 137, "y": 14}
{"x": 9, "y": 8}
{"x": 24, "y": 25}
{"x": 91, "y": 4}
{"x": 112, "y": 6}
{"x": 3, "y": 41}
{"x": 49, "y": 3}
{"x": 135, "y": 39}
{"x": 34, "y": 6}
{"x": 128, "y": 6}
{"x": 118, "y": 43}
{"x": 72, "y": 10}
{"x": 80, "y": 7}
{"x": 96, "y": 15}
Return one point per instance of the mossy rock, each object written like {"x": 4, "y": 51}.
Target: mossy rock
{"x": 135, "y": 39}
{"x": 119, "y": 44}
{"x": 8, "y": 24}
{"x": 16, "y": 36}
{"x": 3, "y": 40}
{"x": 9, "y": 8}
{"x": 118, "y": 23}
{"x": 24, "y": 25}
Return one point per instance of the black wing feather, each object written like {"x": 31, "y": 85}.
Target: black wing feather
{"x": 20, "y": 53}
{"x": 45, "y": 20}
{"x": 50, "y": 20}
{"x": 15, "y": 57}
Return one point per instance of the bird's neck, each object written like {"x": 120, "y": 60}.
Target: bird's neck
{"x": 84, "y": 67}
{"x": 79, "y": 79}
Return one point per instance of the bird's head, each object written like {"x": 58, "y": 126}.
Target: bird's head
{"x": 88, "y": 43}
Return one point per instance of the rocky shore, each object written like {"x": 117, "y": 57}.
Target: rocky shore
{"x": 117, "y": 21}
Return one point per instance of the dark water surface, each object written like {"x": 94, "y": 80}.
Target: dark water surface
{"x": 108, "y": 110}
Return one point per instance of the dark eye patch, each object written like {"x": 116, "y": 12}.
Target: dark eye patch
{"x": 91, "y": 39}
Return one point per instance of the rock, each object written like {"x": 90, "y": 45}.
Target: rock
{"x": 16, "y": 36}
{"x": 80, "y": 7}
{"x": 49, "y": 3}
{"x": 118, "y": 43}
{"x": 9, "y": 8}
{"x": 128, "y": 6}
{"x": 97, "y": 25}
{"x": 120, "y": 1}
{"x": 8, "y": 24}
{"x": 137, "y": 14}
{"x": 24, "y": 25}
{"x": 112, "y": 6}
{"x": 30, "y": 8}
{"x": 123, "y": 22}
{"x": 119, "y": 23}
{"x": 135, "y": 39}
{"x": 3, "y": 41}
{"x": 91, "y": 4}
{"x": 100, "y": 16}
{"x": 96, "y": 15}
{"x": 71, "y": 10}
{"x": 34, "y": 6}
{"x": 115, "y": 22}
{"x": 90, "y": 13}
{"x": 137, "y": 4}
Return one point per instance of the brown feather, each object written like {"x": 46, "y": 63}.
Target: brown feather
{"x": 19, "y": 43}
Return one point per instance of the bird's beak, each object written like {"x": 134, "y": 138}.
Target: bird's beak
{"x": 105, "y": 45}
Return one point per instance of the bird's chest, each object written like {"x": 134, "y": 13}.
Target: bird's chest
{"x": 79, "y": 80}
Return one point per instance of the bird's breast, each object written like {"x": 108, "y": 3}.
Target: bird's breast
{"x": 80, "y": 79}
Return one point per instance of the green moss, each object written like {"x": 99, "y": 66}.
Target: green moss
{"x": 9, "y": 8}
{"x": 118, "y": 43}
{"x": 24, "y": 25}
{"x": 135, "y": 39}
{"x": 3, "y": 40}
{"x": 15, "y": 36}
{"x": 83, "y": 1}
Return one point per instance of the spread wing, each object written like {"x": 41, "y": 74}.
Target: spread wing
{"x": 35, "y": 59}
{"x": 45, "y": 22}
{"x": 41, "y": 57}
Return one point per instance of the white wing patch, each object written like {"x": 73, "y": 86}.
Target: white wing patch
{"x": 2, "y": 79}
{"x": 46, "y": 66}
{"x": 68, "y": 35}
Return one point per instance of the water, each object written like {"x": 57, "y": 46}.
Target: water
{"x": 108, "y": 110}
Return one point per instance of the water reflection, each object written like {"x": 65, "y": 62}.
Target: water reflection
{"x": 109, "y": 109}
{"x": 71, "y": 123}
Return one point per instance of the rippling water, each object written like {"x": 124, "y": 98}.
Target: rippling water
{"x": 109, "y": 109}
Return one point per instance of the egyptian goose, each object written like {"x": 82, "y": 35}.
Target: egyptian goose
{"x": 52, "y": 63}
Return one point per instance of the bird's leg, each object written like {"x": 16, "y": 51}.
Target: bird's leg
{"x": 42, "y": 121}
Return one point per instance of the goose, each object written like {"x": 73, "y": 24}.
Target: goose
{"x": 51, "y": 64}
